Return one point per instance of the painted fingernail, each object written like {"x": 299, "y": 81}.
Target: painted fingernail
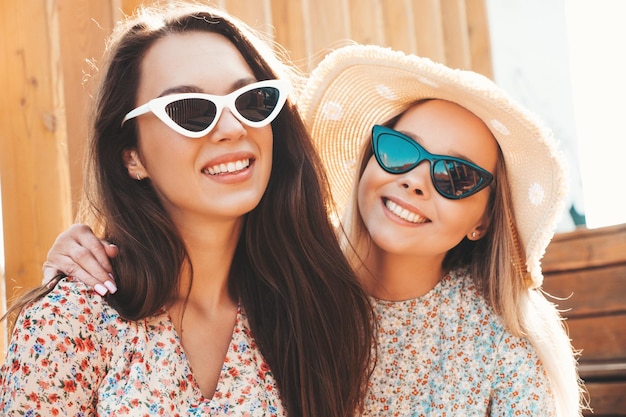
{"x": 110, "y": 286}
{"x": 100, "y": 289}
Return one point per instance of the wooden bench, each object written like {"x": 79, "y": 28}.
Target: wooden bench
{"x": 587, "y": 267}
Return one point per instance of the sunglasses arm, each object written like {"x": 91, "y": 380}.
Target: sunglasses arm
{"x": 143, "y": 109}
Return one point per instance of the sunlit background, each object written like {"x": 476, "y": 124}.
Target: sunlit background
{"x": 565, "y": 59}
{"x": 598, "y": 67}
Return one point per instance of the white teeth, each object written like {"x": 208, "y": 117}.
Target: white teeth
{"x": 229, "y": 167}
{"x": 403, "y": 213}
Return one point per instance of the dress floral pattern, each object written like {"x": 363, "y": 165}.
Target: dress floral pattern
{"x": 448, "y": 354}
{"x": 72, "y": 355}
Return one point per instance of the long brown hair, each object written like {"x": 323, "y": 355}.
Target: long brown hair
{"x": 307, "y": 312}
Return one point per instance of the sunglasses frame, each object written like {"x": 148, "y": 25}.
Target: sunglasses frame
{"x": 485, "y": 176}
{"x": 157, "y": 106}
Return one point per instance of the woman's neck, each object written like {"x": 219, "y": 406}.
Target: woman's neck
{"x": 211, "y": 250}
{"x": 204, "y": 312}
{"x": 396, "y": 277}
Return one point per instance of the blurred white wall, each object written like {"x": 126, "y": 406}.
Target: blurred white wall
{"x": 565, "y": 60}
{"x": 530, "y": 61}
{"x": 596, "y": 34}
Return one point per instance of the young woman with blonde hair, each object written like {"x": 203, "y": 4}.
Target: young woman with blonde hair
{"x": 449, "y": 192}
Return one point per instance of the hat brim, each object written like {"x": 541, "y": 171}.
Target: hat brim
{"x": 358, "y": 86}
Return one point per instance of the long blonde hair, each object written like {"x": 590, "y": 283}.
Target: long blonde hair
{"x": 497, "y": 265}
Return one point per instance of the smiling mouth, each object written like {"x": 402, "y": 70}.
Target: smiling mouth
{"x": 403, "y": 213}
{"x": 228, "y": 168}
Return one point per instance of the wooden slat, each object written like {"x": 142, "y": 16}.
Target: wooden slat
{"x": 367, "y": 21}
{"x": 456, "y": 35}
{"x": 608, "y": 399}
{"x": 326, "y": 26}
{"x": 123, "y": 8}
{"x": 399, "y": 28}
{"x": 592, "y": 247}
{"x": 612, "y": 370}
{"x": 288, "y": 20}
{"x": 83, "y": 29}
{"x": 591, "y": 291}
{"x": 479, "y": 40}
{"x": 599, "y": 338}
{"x": 256, "y": 13}
{"x": 33, "y": 153}
{"x": 429, "y": 31}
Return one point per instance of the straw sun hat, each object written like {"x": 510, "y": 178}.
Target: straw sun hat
{"x": 358, "y": 86}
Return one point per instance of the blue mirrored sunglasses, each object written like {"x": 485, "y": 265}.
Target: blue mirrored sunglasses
{"x": 453, "y": 178}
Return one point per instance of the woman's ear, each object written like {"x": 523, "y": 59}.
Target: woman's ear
{"x": 133, "y": 164}
{"x": 479, "y": 230}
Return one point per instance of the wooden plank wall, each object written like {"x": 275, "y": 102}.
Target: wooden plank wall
{"x": 586, "y": 271}
{"x": 44, "y": 48}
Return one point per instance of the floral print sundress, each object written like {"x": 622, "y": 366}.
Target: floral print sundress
{"x": 72, "y": 355}
{"x": 448, "y": 354}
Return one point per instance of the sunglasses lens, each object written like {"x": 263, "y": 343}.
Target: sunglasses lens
{"x": 396, "y": 154}
{"x": 455, "y": 179}
{"x": 258, "y": 104}
{"x": 193, "y": 114}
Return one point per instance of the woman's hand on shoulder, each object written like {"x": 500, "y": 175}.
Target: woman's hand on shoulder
{"x": 79, "y": 253}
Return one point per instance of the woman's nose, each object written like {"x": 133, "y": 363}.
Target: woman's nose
{"x": 417, "y": 181}
{"x": 228, "y": 127}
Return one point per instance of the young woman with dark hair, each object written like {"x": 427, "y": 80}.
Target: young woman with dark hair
{"x": 233, "y": 296}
